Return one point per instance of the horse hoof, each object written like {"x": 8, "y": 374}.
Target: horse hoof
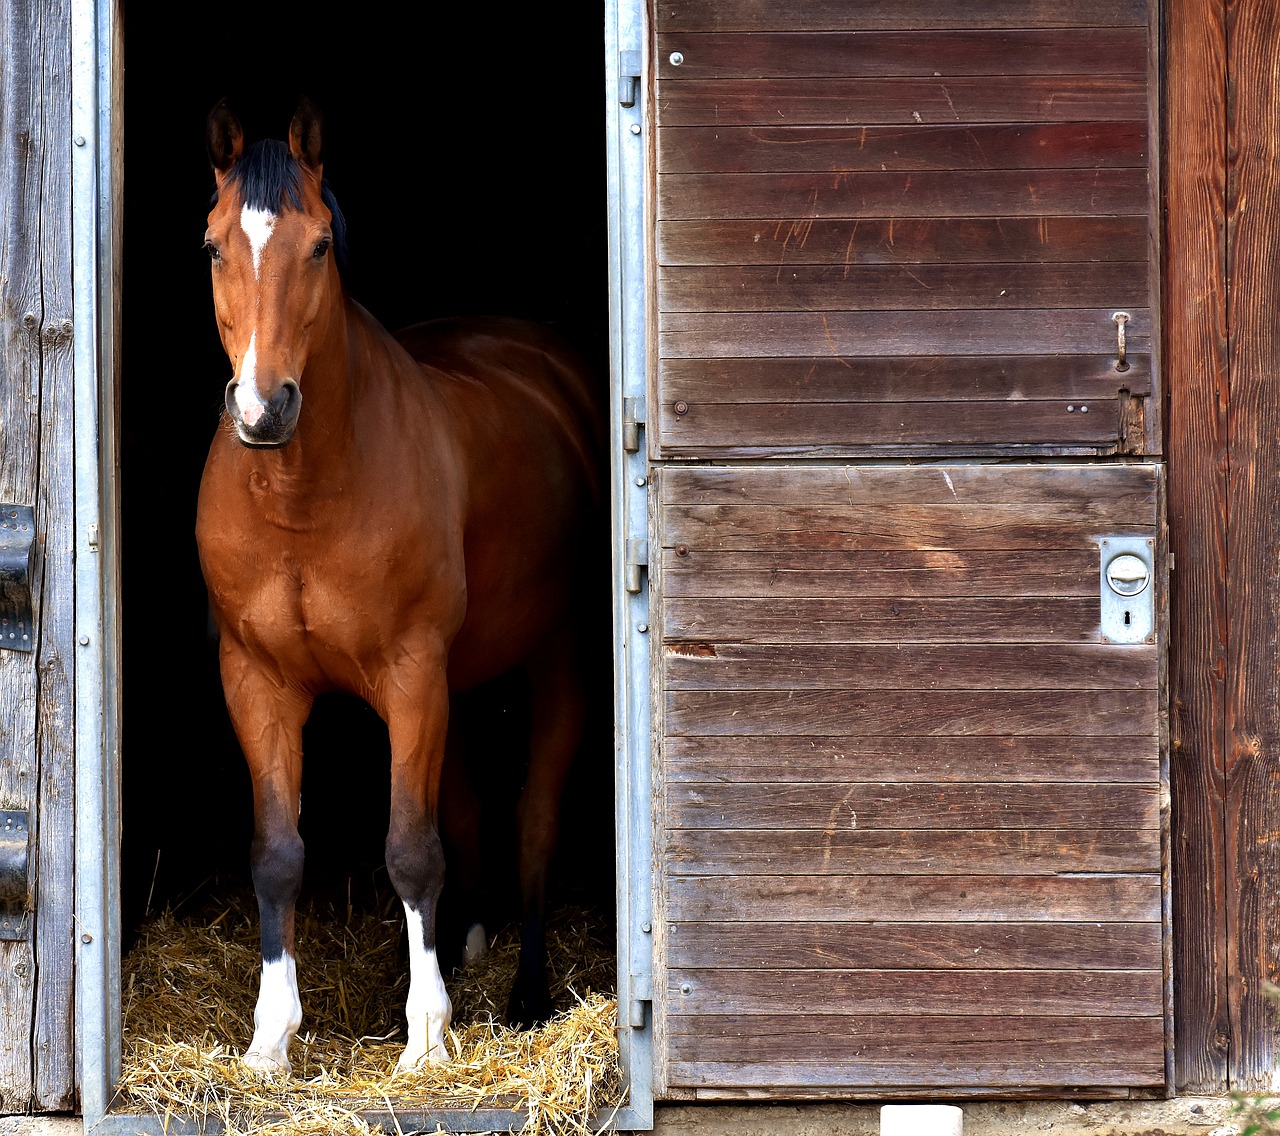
{"x": 267, "y": 1064}
{"x": 410, "y": 1062}
{"x": 529, "y": 1005}
{"x": 477, "y": 945}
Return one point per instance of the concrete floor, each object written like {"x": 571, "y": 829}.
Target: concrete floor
{"x": 1183, "y": 1116}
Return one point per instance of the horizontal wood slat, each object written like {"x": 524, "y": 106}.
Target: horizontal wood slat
{"x": 1013, "y": 51}
{"x": 916, "y": 899}
{"x": 729, "y": 335}
{"x": 856, "y": 712}
{"x": 1061, "y": 993}
{"x": 904, "y": 759}
{"x": 884, "y": 194}
{"x": 949, "y": 99}
{"x": 981, "y": 667}
{"x": 839, "y": 15}
{"x": 1011, "y": 378}
{"x": 789, "y": 427}
{"x": 843, "y": 149}
{"x": 845, "y": 851}
{"x": 1128, "y": 491}
{"x": 893, "y": 287}
{"x": 913, "y": 946}
{"x": 906, "y": 240}
{"x": 832, "y": 807}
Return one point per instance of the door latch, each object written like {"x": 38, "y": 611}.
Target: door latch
{"x": 1127, "y": 589}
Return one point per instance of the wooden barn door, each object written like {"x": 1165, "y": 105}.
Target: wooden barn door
{"x": 908, "y": 575}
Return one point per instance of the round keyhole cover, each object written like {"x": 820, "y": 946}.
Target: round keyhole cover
{"x": 1128, "y": 575}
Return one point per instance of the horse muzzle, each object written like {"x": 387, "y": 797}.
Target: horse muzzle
{"x": 263, "y": 424}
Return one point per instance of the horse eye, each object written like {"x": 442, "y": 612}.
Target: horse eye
{"x": 322, "y": 247}
{"x": 214, "y": 252}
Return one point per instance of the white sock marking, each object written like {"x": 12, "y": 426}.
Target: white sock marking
{"x": 248, "y": 400}
{"x": 427, "y": 1008}
{"x": 276, "y": 1017}
{"x": 257, "y": 225}
{"x": 476, "y": 946}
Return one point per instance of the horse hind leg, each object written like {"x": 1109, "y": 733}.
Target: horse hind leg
{"x": 557, "y": 714}
{"x": 459, "y": 919}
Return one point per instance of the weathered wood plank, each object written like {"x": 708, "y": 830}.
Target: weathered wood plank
{"x": 895, "y": 287}
{"x": 845, "y": 851}
{"x": 961, "y": 525}
{"x": 835, "y": 806}
{"x": 1195, "y": 358}
{"x": 1071, "y": 572}
{"x": 842, "y": 425}
{"x": 1060, "y": 993}
{"x": 894, "y": 193}
{"x": 1013, "y": 51}
{"x": 903, "y": 620}
{"x": 938, "y": 1067}
{"x": 906, "y": 240}
{"x": 1130, "y": 490}
{"x": 913, "y": 946}
{"x": 778, "y": 148}
{"x": 839, "y": 15}
{"x": 915, "y": 899}
{"x": 953, "y": 98}
{"x": 857, "y": 712}
{"x": 920, "y": 668}
{"x": 731, "y": 335}
{"x": 1069, "y": 378}
{"x": 1252, "y": 693}
{"x": 807, "y": 759}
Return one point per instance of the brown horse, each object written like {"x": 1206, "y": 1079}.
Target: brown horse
{"x": 395, "y": 517}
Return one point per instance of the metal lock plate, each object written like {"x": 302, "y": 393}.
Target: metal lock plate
{"x": 17, "y": 544}
{"x": 1127, "y": 589}
{"x": 15, "y": 843}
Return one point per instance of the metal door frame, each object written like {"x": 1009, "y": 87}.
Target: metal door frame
{"x": 95, "y": 148}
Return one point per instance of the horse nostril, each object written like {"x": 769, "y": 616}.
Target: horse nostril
{"x": 286, "y": 399}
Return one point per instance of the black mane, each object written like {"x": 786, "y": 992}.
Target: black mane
{"x": 269, "y": 178}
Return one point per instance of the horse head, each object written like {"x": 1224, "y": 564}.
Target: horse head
{"x": 272, "y": 238}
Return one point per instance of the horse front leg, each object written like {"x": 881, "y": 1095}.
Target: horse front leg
{"x": 417, "y": 723}
{"x": 268, "y": 721}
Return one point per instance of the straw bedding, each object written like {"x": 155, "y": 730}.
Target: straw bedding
{"x": 189, "y": 986}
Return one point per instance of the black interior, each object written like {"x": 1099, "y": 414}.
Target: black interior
{"x": 467, "y": 153}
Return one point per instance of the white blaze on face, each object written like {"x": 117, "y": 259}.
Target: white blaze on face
{"x": 427, "y": 1008}
{"x": 276, "y": 1017}
{"x": 257, "y": 225}
{"x": 248, "y": 400}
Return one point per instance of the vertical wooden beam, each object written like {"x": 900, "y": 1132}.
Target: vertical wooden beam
{"x": 1195, "y": 362}
{"x": 1253, "y": 540}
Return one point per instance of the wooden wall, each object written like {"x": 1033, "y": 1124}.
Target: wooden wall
{"x": 1222, "y": 356}
{"x": 37, "y": 1055}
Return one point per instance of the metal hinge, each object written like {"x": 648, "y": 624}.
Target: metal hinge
{"x": 17, "y": 544}
{"x": 628, "y": 77}
{"x": 15, "y": 843}
{"x": 632, "y": 420}
{"x": 641, "y": 996}
{"x": 637, "y": 561}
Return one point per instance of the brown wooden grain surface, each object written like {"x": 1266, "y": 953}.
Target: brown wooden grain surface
{"x": 906, "y": 240}
{"x": 1252, "y": 689}
{"x": 949, "y": 99}
{"x": 839, "y": 15}
{"x": 906, "y": 759}
{"x": 912, "y": 851}
{"x": 1195, "y": 353}
{"x": 914, "y": 946}
{"x": 1004, "y": 51}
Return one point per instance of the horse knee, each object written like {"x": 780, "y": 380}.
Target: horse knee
{"x": 415, "y": 864}
{"x": 277, "y": 861}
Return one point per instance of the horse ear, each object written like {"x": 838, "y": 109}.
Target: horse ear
{"x": 305, "y": 134}
{"x": 224, "y": 137}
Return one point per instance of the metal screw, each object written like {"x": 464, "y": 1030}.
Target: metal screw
{"x": 642, "y": 628}
{"x": 635, "y": 128}
{"x": 682, "y": 550}
{"x": 676, "y": 59}
{"x": 640, "y": 481}
{"x": 1084, "y": 410}
{"x": 646, "y": 926}
{"x": 681, "y": 407}
{"x": 86, "y": 938}
{"x": 79, "y": 139}
{"x": 84, "y": 640}
{"x": 1070, "y": 409}
{"x": 685, "y": 988}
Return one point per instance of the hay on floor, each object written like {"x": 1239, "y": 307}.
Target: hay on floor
{"x": 189, "y": 986}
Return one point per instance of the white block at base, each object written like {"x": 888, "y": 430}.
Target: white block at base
{"x": 921, "y": 1120}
